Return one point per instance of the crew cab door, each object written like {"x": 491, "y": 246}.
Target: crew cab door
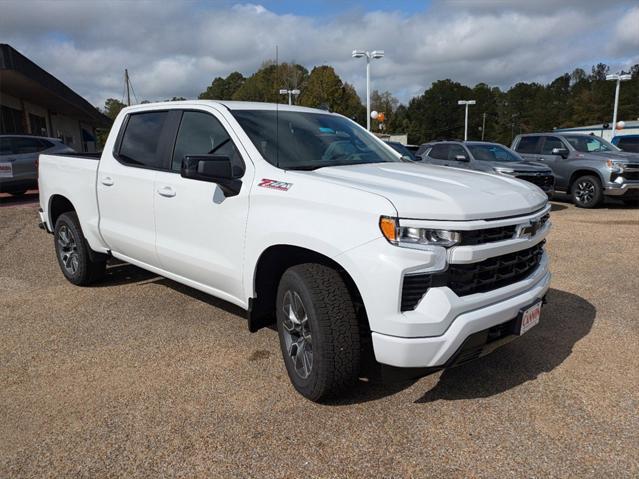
{"x": 529, "y": 147}
{"x": 557, "y": 163}
{"x": 200, "y": 231}
{"x": 126, "y": 181}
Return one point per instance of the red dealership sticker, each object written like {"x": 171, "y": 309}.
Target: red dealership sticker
{"x": 274, "y": 184}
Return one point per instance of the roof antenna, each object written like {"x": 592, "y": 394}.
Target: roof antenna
{"x": 277, "y": 109}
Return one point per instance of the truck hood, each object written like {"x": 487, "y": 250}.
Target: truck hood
{"x": 628, "y": 156}
{"x": 524, "y": 166}
{"x": 439, "y": 193}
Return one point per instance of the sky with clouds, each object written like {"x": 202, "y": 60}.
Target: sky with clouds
{"x": 177, "y": 48}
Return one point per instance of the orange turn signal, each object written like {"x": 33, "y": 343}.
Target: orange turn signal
{"x": 389, "y": 228}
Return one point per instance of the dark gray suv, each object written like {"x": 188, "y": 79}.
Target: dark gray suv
{"x": 18, "y": 157}
{"x": 586, "y": 166}
{"x": 488, "y": 157}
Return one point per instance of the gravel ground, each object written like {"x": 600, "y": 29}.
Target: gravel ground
{"x": 140, "y": 376}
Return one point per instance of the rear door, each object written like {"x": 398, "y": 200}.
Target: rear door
{"x": 126, "y": 180}
{"x": 529, "y": 147}
{"x": 200, "y": 231}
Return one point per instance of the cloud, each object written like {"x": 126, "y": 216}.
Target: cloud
{"x": 176, "y": 49}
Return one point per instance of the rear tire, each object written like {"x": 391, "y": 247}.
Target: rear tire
{"x": 316, "y": 315}
{"x": 587, "y": 192}
{"x": 73, "y": 252}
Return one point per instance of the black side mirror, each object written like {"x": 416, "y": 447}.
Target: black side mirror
{"x": 214, "y": 169}
{"x": 563, "y": 152}
{"x": 461, "y": 158}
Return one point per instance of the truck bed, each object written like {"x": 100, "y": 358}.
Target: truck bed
{"x": 73, "y": 176}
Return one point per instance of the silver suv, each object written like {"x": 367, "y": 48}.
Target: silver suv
{"x": 489, "y": 157}
{"x": 18, "y": 158}
{"x": 586, "y": 166}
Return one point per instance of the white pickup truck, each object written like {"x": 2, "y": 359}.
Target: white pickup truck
{"x": 306, "y": 220}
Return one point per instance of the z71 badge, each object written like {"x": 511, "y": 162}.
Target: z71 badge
{"x": 276, "y": 185}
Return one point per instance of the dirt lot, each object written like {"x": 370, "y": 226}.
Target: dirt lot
{"x": 143, "y": 377}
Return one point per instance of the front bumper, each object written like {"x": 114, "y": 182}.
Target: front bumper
{"x": 620, "y": 189}
{"x": 437, "y": 351}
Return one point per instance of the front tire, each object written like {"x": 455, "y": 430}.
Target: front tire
{"x": 587, "y": 192}
{"x": 73, "y": 252}
{"x": 318, "y": 331}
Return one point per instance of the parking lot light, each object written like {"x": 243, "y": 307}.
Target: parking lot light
{"x": 375, "y": 54}
{"x": 466, "y": 102}
{"x": 290, "y": 93}
{"x": 618, "y": 77}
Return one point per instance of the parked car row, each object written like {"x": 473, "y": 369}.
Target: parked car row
{"x": 585, "y": 166}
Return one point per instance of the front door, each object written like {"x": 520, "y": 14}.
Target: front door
{"x": 200, "y": 231}
{"x": 555, "y": 162}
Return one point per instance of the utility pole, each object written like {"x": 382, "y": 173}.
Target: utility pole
{"x": 483, "y": 126}
{"x": 126, "y": 81}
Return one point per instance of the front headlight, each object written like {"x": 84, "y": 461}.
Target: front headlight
{"x": 503, "y": 171}
{"x": 616, "y": 166}
{"x": 416, "y": 238}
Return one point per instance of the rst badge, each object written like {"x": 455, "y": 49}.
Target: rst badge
{"x": 274, "y": 184}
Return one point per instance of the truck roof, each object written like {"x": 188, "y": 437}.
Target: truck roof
{"x": 232, "y": 105}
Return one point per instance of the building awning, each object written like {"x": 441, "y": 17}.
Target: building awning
{"x": 22, "y": 78}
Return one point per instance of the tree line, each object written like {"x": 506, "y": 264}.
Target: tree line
{"x": 572, "y": 99}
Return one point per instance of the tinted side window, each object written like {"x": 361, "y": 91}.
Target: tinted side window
{"x": 6, "y": 147}
{"x": 551, "y": 142}
{"x": 141, "y": 139}
{"x": 629, "y": 144}
{"x": 528, "y": 144}
{"x": 456, "y": 150}
{"x": 202, "y": 134}
{"x": 439, "y": 152}
{"x": 23, "y": 146}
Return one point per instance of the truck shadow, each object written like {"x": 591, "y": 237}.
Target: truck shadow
{"x": 565, "y": 320}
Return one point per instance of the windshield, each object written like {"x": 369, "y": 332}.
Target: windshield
{"x": 483, "y": 152}
{"x": 310, "y": 140}
{"x": 401, "y": 149}
{"x": 589, "y": 144}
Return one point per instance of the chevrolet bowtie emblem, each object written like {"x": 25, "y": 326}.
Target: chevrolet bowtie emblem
{"x": 528, "y": 230}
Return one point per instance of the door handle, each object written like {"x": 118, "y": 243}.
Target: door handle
{"x": 107, "y": 181}
{"x": 166, "y": 191}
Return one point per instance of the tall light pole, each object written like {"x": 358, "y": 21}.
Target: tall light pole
{"x": 466, "y": 102}
{"x": 618, "y": 77}
{"x": 284, "y": 91}
{"x": 368, "y": 55}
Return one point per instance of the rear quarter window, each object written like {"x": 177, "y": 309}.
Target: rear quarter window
{"x": 141, "y": 139}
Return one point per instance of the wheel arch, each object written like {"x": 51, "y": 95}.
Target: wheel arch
{"x": 583, "y": 172}
{"x": 269, "y": 268}
{"x": 58, "y": 204}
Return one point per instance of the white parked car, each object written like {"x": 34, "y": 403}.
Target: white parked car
{"x": 305, "y": 219}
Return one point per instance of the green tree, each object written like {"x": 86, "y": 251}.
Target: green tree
{"x": 223, "y": 88}
{"x": 265, "y": 84}
{"x": 325, "y": 89}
